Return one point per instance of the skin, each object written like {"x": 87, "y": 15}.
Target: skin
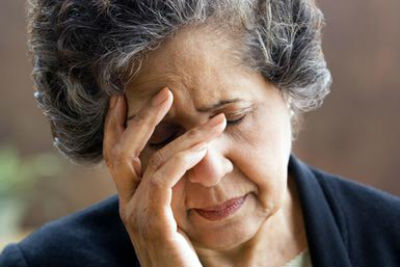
{"x": 160, "y": 185}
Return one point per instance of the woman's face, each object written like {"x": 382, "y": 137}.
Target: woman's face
{"x": 249, "y": 158}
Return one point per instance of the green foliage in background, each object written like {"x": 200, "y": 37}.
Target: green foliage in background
{"x": 18, "y": 174}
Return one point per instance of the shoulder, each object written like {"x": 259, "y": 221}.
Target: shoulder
{"x": 357, "y": 198}
{"x": 370, "y": 216}
{"x": 94, "y": 236}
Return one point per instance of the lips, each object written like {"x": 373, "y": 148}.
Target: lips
{"x": 223, "y": 210}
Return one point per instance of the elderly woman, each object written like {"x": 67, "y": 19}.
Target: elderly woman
{"x": 193, "y": 105}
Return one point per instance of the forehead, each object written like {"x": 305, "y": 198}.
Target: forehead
{"x": 198, "y": 65}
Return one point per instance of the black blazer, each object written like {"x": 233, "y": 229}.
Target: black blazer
{"x": 347, "y": 224}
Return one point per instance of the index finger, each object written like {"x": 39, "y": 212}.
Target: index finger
{"x": 141, "y": 127}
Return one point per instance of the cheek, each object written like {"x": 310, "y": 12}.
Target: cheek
{"x": 263, "y": 155}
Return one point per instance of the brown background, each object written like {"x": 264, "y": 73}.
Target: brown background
{"x": 355, "y": 134}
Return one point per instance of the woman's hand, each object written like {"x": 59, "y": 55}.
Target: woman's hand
{"x": 145, "y": 195}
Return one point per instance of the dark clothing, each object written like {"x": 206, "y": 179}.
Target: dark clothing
{"x": 347, "y": 224}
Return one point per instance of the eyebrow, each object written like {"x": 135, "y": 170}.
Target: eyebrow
{"x": 218, "y": 105}
{"x": 211, "y": 108}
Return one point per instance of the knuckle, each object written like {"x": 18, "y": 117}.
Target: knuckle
{"x": 193, "y": 133}
{"x": 156, "y": 184}
{"x": 140, "y": 117}
{"x": 118, "y": 155}
{"x": 111, "y": 156}
{"x": 181, "y": 159}
{"x": 157, "y": 158}
{"x": 114, "y": 153}
{"x": 118, "y": 158}
{"x": 121, "y": 157}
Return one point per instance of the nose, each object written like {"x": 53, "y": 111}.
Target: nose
{"x": 210, "y": 170}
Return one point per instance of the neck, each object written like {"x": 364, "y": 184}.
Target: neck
{"x": 280, "y": 238}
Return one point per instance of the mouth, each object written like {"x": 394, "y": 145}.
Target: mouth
{"x": 223, "y": 210}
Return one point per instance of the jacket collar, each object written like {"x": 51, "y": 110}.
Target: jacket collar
{"x": 325, "y": 241}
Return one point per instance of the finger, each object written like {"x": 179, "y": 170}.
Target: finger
{"x": 174, "y": 169}
{"x": 141, "y": 127}
{"x": 122, "y": 170}
{"x": 125, "y": 178}
{"x": 114, "y": 123}
{"x": 204, "y": 133}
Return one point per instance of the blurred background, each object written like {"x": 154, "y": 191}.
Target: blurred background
{"x": 355, "y": 134}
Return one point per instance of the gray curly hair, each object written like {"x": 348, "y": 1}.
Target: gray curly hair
{"x": 85, "y": 51}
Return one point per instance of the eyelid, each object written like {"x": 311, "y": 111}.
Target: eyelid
{"x": 234, "y": 109}
{"x": 243, "y": 111}
{"x": 240, "y": 115}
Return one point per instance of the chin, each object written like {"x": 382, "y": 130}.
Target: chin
{"x": 229, "y": 238}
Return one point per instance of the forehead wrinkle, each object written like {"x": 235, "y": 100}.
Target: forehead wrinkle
{"x": 198, "y": 70}
{"x": 150, "y": 85}
{"x": 191, "y": 60}
{"x": 183, "y": 100}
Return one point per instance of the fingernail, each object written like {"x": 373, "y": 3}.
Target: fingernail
{"x": 161, "y": 97}
{"x": 217, "y": 120}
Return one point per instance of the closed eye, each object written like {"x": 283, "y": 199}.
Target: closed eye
{"x": 234, "y": 122}
{"x": 230, "y": 123}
